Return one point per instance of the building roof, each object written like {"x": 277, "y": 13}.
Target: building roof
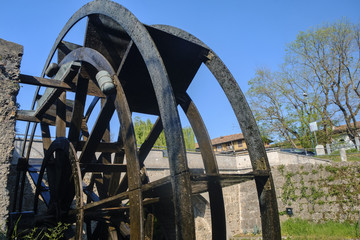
{"x": 228, "y": 138}
{"x": 342, "y": 128}
{"x": 225, "y": 139}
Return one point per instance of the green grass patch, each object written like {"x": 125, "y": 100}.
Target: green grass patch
{"x": 302, "y": 229}
{"x": 352, "y": 156}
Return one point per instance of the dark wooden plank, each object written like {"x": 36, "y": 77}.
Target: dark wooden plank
{"x": 119, "y": 158}
{"x": 46, "y": 137}
{"x": 128, "y": 136}
{"x": 114, "y": 185}
{"x": 97, "y": 132}
{"x": 45, "y": 82}
{"x": 28, "y": 116}
{"x": 105, "y": 157}
{"x": 64, "y": 48}
{"x": 149, "y": 226}
{"x": 199, "y": 183}
{"x": 104, "y": 168}
{"x": 136, "y": 214}
{"x": 66, "y": 75}
{"x": 78, "y": 109}
{"x": 44, "y": 194}
{"x": 93, "y": 88}
{"x": 107, "y": 201}
{"x": 104, "y": 147}
{"x": 218, "y": 219}
{"x": 61, "y": 115}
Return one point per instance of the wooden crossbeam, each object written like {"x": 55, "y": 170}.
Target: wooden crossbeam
{"x": 65, "y": 74}
{"x": 93, "y": 89}
{"x": 45, "y": 82}
{"x": 106, "y": 168}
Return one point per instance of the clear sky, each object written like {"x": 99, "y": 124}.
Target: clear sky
{"x": 246, "y": 34}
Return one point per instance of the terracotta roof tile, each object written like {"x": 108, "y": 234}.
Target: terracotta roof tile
{"x": 225, "y": 139}
{"x": 342, "y": 128}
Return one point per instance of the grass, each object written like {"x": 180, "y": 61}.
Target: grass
{"x": 302, "y": 229}
{"x": 55, "y": 233}
{"x": 352, "y": 156}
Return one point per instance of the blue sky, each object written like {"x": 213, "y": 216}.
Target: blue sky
{"x": 245, "y": 34}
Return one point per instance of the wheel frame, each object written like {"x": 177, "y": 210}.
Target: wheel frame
{"x": 170, "y": 122}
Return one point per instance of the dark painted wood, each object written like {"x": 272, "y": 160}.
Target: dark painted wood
{"x": 61, "y": 115}
{"x": 104, "y": 147}
{"x": 78, "y": 109}
{"x": 217, "y": 207}
{"x": 103, "y": 168}
{"x": 66, "y": 75}
{"x": 45, "y": 82}
{"x": 98, "y": 131}
{"x": 166, "y": 101}
{"x": 265, "y": 188}
{"x": 132, "y": 160}
{"x": 105, "y": 158}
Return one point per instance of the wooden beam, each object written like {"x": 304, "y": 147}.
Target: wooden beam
{"x": 65, "y": 74}
{"x": 61, "y": 115}
{"x": 78, "y": 110}
{"x": 104, "y": 168}
{"x": 104, "y": 147}
{"x": 93, "y": 88}
{"x": 45, "y": 82}
{"x": 98, "y": 131}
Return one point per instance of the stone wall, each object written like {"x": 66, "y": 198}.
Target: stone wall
{"x": 10, "y": 58}
{"x": 319, "y": 192}
{"x": 316, "y": 192}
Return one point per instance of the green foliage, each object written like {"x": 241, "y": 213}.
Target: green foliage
{"x": 288, "y": 191}
{"x": 330, "y": 178}
{"x": 143, "y": 128}
{"x": 302, "y": 229}
{"x": 282, "y": 213}
{"x": 256, "y": 230}
{"x": 36, "y": 233}
{"x": 331, "y": 169}
{"x": 323, "y": 63}
{"x": 281, "y": 169}
{"x": 56, "y": 232}
{"x": 189, "y": 138}
{"x": 314, "y": 171}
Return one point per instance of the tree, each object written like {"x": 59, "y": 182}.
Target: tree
{"x": 318, "y": 81}
{"x": 267, "y": 103}
{"x": 143, "y": 128}
{"x": 331, "y": 54}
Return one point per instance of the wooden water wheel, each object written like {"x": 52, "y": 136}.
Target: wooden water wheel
{"x": 126, "y": 67}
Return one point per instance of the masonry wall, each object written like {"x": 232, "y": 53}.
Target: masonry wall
{"x": 10, "y": 58}
{"x": 315, "y": 192}
{"x": 319, "y": 192}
